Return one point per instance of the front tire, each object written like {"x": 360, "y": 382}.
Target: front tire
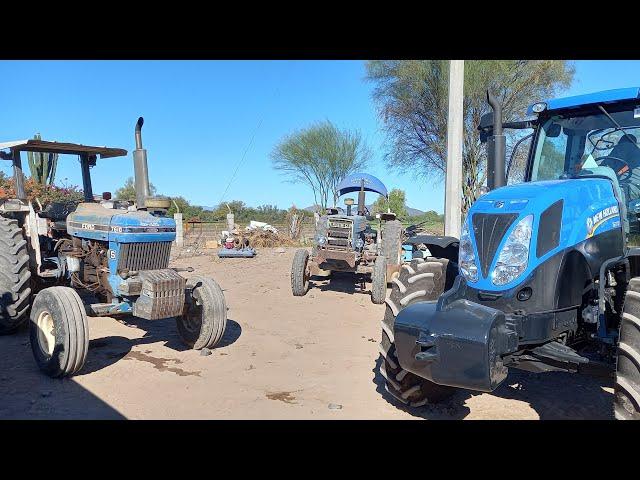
{"x": 204, "y": 320}
{"x": 59, "y": 331}
{"x": 627, "y": 385}
{"x": 420, "y": 281}
{"x": 300, "y": 273}
{"x": 15, "y": 277}
{"x": 379, "y": 281}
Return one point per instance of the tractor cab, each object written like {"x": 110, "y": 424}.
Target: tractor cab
{"x": 595, "y": 135}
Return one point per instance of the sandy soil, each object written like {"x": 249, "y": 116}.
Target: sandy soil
{"x": 282, "y": 357}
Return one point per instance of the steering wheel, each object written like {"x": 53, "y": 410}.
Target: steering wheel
{"x": 620, "y": 166}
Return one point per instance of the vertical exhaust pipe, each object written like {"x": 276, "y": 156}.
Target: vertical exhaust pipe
{"x": 140, "y": 169}
{"x": 361, "y": 198}
{"x": 496, "y": 147}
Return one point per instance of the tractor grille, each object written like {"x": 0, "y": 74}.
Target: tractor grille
{"x": 489, "y": 229}
{"x": 339, "y": 234}
{"x": 142, "y": 256}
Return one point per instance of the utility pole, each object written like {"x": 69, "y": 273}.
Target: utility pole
{"x": 453, "y": 183}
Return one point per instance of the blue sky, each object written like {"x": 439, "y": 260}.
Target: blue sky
{"x": 200, "y": 117}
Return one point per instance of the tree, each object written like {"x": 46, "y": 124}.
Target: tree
{"x": 397, "y": 203}
{"x": 321, "y": 156}
{"x": 128, "y": 190}
{"x": 412, "y": 99}
{"x": 188, "y": 211}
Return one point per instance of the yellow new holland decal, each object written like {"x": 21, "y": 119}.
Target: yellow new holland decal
{"x": 594, "y": 221}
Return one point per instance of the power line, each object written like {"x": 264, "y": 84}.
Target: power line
{"x": 246, "y": 150}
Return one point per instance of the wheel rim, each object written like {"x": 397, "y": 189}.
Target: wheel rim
{"x": 192, "y": 320}
{"x": 46, "y": 332}
{"x": 307, "y": 272}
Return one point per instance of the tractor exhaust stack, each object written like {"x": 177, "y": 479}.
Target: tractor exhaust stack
{"x": 496, "y": 150}
{"x": 140, "y": 169}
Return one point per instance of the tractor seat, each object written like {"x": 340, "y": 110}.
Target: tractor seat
{"x": 58, "y": 211}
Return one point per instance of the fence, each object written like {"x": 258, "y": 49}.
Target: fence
{"x": 201, "y": 232}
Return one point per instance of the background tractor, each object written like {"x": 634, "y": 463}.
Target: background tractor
{"x": 347, "y": 243}
{"x": 549, "y": 269}
{"x": 115, "y": 255}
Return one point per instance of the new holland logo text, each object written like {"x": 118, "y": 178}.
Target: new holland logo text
{"x": 594, "y": 221}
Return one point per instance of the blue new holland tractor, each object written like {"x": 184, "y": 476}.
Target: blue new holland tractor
{"x": 114, "y": 254}
{"x": 548, "y": 271}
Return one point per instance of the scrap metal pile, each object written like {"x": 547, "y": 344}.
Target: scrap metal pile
{"x": 242, "y": 243}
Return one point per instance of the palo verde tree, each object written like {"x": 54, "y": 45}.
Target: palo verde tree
{"x": 412, "y": 99}
{"x": 321, "y": 156}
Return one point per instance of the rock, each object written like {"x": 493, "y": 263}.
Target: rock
{"x": 280, "y": 250}
{"x": 205, "y": 352}
{"x": 335, "y": 406}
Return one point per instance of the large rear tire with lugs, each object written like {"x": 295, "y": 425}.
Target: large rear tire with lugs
{"x": 59, "y": 331}
{"x": 627, "y": 385}
{"x": 15, "y": 277}
{"x": 421, "y": 281}
{"x": 204, "y": 319}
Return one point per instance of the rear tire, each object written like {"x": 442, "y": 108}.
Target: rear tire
{"x": 15, "y": 277}
{"x": 300, "y": 273}
{"x": 392, "y": 242}
{"x": 204, "y": 320}
{"x": 59, "y": 331}
{"x": 627, "y": 385}
{"x": 420, "y": 281}
{"x": 379, "y": 281}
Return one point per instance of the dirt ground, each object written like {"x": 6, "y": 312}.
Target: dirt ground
{"x": 282, "y": 357}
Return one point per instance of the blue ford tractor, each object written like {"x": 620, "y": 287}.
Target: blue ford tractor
{"x": 548, "y": 271}
{"x": 115, "y": 254}
{"x": 347, "y": 243}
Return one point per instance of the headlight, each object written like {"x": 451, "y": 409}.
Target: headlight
{"x": 466, "y": 256}
{"x": 539, "y": 107}
{"x": 514, "y": 256}
{"x": 321, "y": 239}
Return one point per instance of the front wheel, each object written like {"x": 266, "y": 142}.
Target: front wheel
{"x": 204, "y": 319}
{"x": 379, "y": 280}
{"x": 59, "y": 331}
{"x": 300, "y": 273}
{"x": 419, "y": 281}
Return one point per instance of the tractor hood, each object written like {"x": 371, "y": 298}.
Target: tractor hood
{"x": 565, "y": 213}
{"x": 93, "y": 221}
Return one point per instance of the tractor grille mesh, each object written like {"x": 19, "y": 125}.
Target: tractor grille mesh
{"x": 142, "y": 256}
{"x": 339, "y": 234}
{"x": 489, "y": 230}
